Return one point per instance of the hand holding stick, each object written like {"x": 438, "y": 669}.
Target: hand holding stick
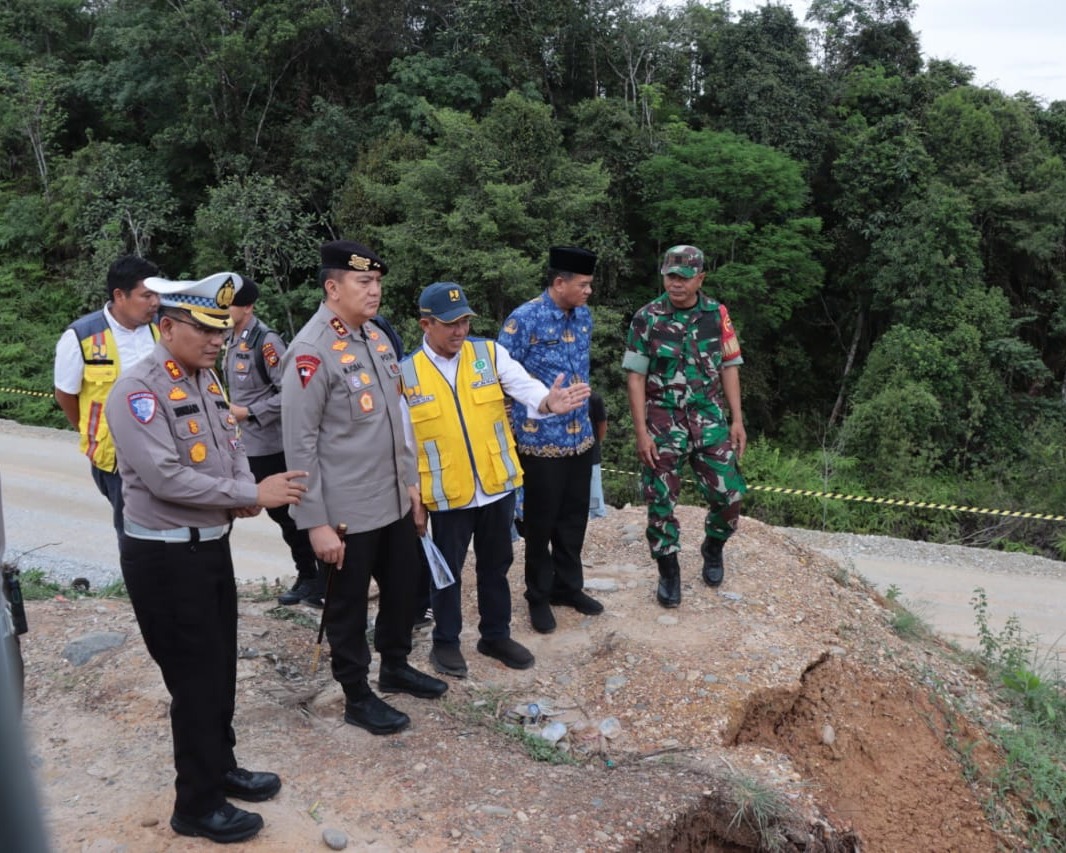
{"x": 342, "y": 529}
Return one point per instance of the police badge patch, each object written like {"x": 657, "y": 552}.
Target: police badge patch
{"x": 142, "y": 406}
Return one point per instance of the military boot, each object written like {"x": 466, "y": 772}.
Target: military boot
{"x": 669, "y": 592}
{"x": 713, "y": 567}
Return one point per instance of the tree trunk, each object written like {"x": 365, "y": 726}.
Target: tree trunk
{"x": 838, "y": 406}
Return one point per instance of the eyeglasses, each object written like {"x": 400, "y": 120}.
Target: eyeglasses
{"x": 205, "y": 331}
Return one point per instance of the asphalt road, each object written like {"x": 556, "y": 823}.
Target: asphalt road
{"x": 57, "y": 521}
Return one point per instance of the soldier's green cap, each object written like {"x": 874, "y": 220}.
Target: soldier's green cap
{"x": 685, "y": 261}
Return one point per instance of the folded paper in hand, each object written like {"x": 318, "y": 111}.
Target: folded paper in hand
{"x": 438, "y": 567}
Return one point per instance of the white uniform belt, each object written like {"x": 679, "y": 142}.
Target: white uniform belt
{"x": 176, "y": 534}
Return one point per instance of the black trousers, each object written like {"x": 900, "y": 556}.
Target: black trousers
{"x": 388, "y": 555}
{"x": 185, "y": 599}
{"x": 299, "y": 542}
{"x": 556, "y": 512}
{"x": 490, "y": 527}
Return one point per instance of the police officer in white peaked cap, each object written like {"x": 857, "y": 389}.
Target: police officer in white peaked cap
{"x": 185, "y": 477}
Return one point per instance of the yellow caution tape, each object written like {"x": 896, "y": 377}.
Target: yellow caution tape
{"x": 866, "y": 499}
{"x": 24, "y": 391}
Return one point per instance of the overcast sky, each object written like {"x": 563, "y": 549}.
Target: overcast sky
{"x": 1013, "y": 45}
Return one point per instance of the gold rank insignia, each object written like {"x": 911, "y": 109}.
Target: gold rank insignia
{"x": 358, "y": 262}
{"x": 194, "y": 427}
{"x": 243, "y": 346}
{"x": 347, "y": 358}
{"x": 339, "y": 327}
{"x": 366, "y": 402}
{"x": 241, "y": 367}
{"x": 340, "y": 345}
{"x": 173, "y": 369}
{"x": 214, "y": 389}
{"x": 364, "y": 378}
{"x": 382, "y": 348}
{"x": 198, "y": 452}
{"x": 374, "y": 336}
{"x": 177, "y": 394}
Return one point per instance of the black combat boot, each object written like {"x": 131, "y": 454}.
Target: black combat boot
{"x": 669, "y": 591}
{"x": 713, "y": 567}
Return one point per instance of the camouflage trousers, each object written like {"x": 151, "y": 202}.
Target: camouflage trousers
{"x": 718, "y": 479}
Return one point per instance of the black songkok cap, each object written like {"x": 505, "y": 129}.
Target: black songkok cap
{"x": 572, "y": 259}
{"x": 347, "y": 255}
{"x": 247, "y": 293}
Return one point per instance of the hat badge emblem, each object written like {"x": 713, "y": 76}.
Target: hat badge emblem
{"x": 358, "y": 262}
{"x": 453, "y": 294}
{"x": 224, "y": 297}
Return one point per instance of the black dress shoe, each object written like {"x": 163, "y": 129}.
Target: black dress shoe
{"x": 507, "y": 652}
{"x": 541, "y": 617}
{"x": 580, "y": 601}
{"x": 448, "y": 660}
{"x": 404, "y": 678}
{"x": 713, "y": 566}
{"x": 224, "y": 825}
{"x": 375, "y": 715}
{"x": 300, "y": 590}
{"x": 250, "y": 785}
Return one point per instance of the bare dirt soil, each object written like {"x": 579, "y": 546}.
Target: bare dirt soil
{"x": 780, "y": 710}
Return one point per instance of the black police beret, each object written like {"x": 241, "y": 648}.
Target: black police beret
{"x": 247, "y": 294}
{"x": 347, "y": 255}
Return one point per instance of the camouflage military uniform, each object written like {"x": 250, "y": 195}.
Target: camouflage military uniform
{"x": 681, "y": 353}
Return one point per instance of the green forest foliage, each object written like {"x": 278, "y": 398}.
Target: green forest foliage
{"x": 889, "y": 238}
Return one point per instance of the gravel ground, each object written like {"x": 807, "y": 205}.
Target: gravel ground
{"x": 848, "y": 546}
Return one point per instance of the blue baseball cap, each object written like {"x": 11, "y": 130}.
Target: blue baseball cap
{"x": 444, "y": 301}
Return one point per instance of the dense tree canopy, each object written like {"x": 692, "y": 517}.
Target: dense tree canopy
{"x": 890, "y": 239}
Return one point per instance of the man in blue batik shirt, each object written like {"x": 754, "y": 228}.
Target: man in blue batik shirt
{"x": 550, "y": 335}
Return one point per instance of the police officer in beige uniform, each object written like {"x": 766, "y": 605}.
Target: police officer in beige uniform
{"x": 341, "y": 422}
{"x": 185, "y": 477}
{"x": 251, "y": 363}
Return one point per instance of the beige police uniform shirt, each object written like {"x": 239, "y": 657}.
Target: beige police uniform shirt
{"x": 181, "y": 462}
{"x": 341, "y": 422}
{"x": 261, "y": 432}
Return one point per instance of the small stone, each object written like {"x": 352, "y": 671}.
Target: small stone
{"x": 710, "y": 679}
{"x": 150, "y": 821}
{"x": 615, "y": 682}
{"x": 82, "y": 650}
{"x": 732, "y": 596}
{"x": 667, "y": 620}
{"x": 335, "y": 839}
{"x": 522, "y": 817}
{"x": 455, "y": 833}
{"x": 498, "y": 811}
{"x": 829, "y": 735}
{"x": 601, "y": 584}
{"x": 420, "y": 767}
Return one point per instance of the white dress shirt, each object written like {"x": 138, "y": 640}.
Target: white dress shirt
{"x": 133, "y": 345}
